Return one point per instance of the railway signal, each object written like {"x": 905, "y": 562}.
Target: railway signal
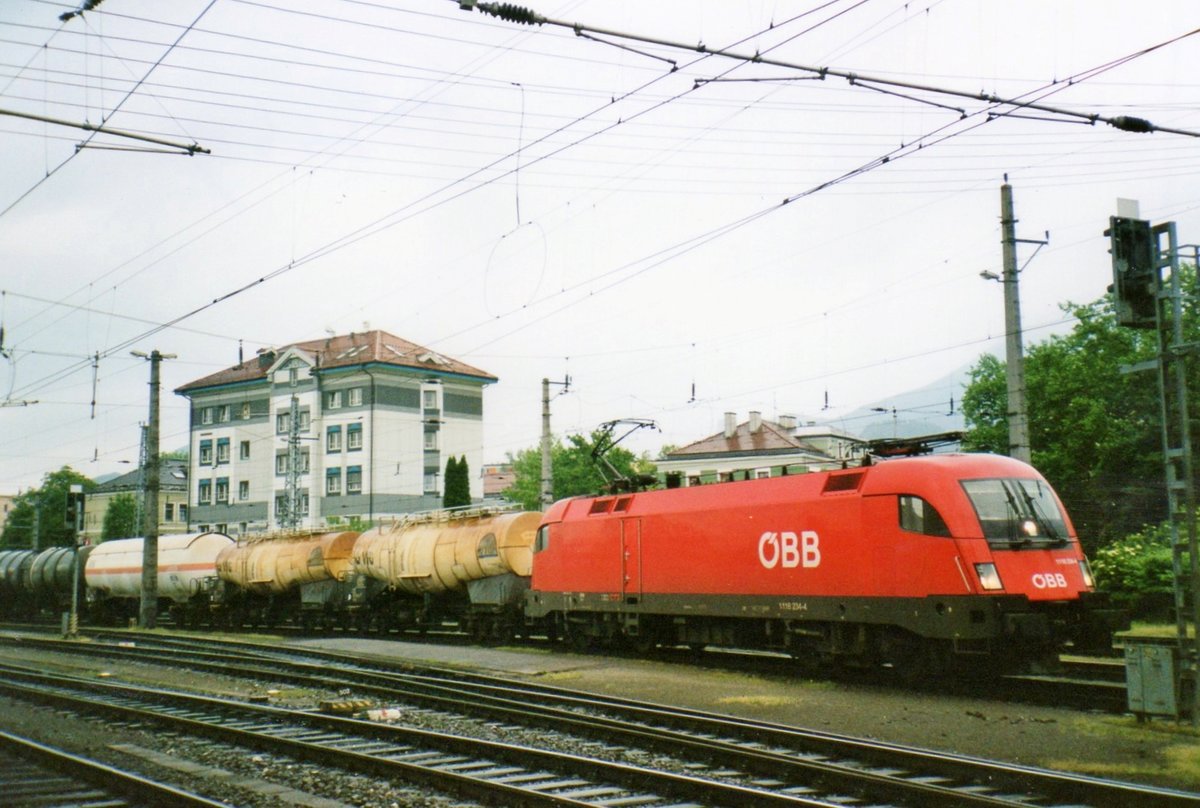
{"x": 1136, "y": 279}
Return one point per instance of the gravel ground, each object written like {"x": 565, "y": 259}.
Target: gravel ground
{"x": 1117, "y": 747}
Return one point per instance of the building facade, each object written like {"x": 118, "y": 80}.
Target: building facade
{"x": 759, "y": 448}
{"x": 353, "y": 427}
{"x": 172, "y": 499}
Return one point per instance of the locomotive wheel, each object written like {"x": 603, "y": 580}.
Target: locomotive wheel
{"x": 919, "y": 661}
{"x": 580, "y": 641}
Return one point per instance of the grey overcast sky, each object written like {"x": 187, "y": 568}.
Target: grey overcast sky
{"x": 538, "y": 203}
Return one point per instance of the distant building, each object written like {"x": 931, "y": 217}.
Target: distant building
{"x": 377, "y": 417}
{"x": 172, "y": 499}
{"x": 759, "y": 448}
{"x": 497, "y": 478}
{"x": 6, "y": 506}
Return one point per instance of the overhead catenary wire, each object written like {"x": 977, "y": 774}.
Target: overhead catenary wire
{"x": 113, "y": 111}
{"x": 376, "y": 226}
{"x": 1127, "y": 123}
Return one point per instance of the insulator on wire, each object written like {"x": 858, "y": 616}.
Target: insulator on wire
{"x": 512, "y": 13}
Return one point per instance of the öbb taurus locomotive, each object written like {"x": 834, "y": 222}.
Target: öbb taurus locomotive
{"x": 915, "y": 562}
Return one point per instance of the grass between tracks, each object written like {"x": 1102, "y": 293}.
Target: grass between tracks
{"x": 1165, "y": 750}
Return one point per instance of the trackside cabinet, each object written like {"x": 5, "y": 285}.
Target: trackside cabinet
{"x": 1151, "y": 676}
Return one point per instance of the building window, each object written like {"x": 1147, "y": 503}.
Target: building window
{"x": 206, "y": 415}
{"x": 245, "y": 410}
{"x": 354, "y": 397}
{"x": 242, "y": 527}
{"x": 429, "y": 399}
{"x": 244, "y": 489}
{"x": 204, "y": 495}
{"x": 305, "y": 420}
{"x": 431, "y": 442}
{"x": 244, "y": 450}
{"x": 223, "y": 414}
{"x": 169, "y": 512}
{"x": 281, "y": 463}
{"x": 293, "y": 377}
{"x": 333, "y": 481}
{"x": 206, "y": 455}
{"x": 431, "y": 482}
{"x": 333, "y": 439}
{"x": 283, "y": 422}
{"x": 222, "y": 490}
{"x": 354, "y": 479}
{"x": 354, "y": 437}
{"x": 333, "y": 400}
{"x": 183, "y": 513}
{"x": 223, "y": 528}
{"x": 222, "y": 450}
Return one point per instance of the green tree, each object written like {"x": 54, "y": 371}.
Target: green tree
{"x": 1094, "y": 431}
{"x": 51, "y": 499}
{"x": 464, "y": 480}
{"x": 574, "y": 471}
{"x": 457, "y": 491}
{"x": 121, "y": 518}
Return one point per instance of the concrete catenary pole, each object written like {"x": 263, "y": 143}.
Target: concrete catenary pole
{"x": 1018, "y": 419}
{"x": 148, "y": 613}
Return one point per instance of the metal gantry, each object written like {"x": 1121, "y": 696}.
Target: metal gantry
{"x": 1173, "y": 354}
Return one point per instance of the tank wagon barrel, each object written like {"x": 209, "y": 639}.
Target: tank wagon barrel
{"x": 443, "y": 553}
{"x": 274, "y": 564}
{"x": 187, "y": 568}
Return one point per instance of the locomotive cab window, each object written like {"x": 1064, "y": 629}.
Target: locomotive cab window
{"x": 1017, "y": 511}
{"x": 918, "y": 516}
{"x": 542, "y": 540}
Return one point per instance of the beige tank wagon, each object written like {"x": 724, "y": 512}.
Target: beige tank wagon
{"x": 297, "y": 577}
{"x": 444, "y": 552}
{"x": 276, "y": 563}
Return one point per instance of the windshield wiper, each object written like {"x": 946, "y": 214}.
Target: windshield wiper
{"x": 1039, "y": 516}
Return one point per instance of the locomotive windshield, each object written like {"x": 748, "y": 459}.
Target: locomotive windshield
{"x": 1017, "y": 512}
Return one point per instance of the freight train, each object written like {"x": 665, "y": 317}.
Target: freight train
{"x": 921, "y": 563}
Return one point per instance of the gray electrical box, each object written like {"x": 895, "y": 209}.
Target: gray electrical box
{"x": 1151, "y": 677}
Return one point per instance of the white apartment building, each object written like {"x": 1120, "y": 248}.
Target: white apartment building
{"x": 378, "y": 418}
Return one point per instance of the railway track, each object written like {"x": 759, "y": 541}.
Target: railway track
{"x": 771, "y": 762}
{"x": 1084, "y": 683}
{"x": 33, "y": 774}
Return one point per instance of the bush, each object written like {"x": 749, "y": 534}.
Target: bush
{"x": 1138, "y": 571}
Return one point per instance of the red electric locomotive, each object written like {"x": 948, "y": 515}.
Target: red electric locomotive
{"x": 914, "y": 562}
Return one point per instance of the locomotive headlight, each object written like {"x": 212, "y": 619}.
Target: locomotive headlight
{"x": 989, "y": 578}
{"x": 1086, "y": 569}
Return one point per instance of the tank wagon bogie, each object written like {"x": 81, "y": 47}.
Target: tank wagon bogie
{"x": 914, "y": 563}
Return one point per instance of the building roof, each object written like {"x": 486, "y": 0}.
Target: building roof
{"x": 345, "y": 351}
{"x": 769, "y": 439}
{"x": 172, "y": 476}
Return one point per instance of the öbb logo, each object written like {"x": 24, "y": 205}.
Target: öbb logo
{"x": 788, "y": 551}
{"x": 1049, "y": 580}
